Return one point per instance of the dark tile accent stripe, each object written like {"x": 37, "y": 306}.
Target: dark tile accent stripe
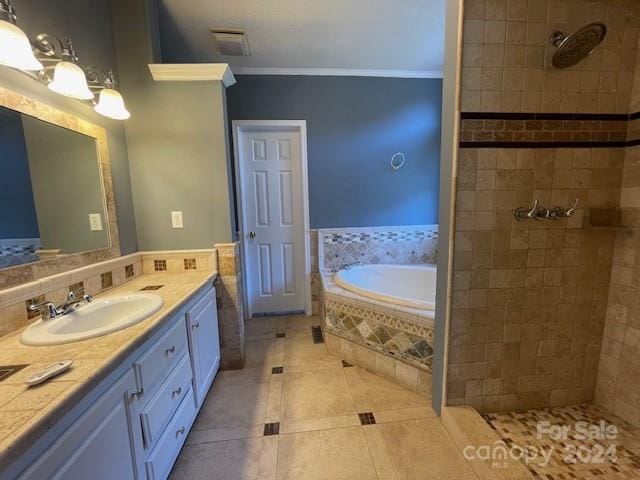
{"x": 603, "y": 117}
{"x": 548, "y": 144}
{"x": 367, "y": 418}
{"x": 316, "y": 333}
{"x": 277, "y": 370}
{"x": 152, "y": 287}
{"x": 281, "y": 335}
{"x": 271, "y": 429}
{"x": 346, "y": 364}
{"x": 548, "y": 130}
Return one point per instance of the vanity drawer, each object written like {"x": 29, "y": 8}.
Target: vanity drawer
{"x": 159, "y": 409}
{"x": 164, "y": 455}
{"x": 161, "y": 357}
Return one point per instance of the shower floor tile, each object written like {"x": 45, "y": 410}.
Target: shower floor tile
{"x": 315, "y": 401}
{"x": 606, "y": 455}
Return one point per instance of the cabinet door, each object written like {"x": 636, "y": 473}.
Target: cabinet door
{"x": 98, "y": 446}
{"x": 202, "y": 324}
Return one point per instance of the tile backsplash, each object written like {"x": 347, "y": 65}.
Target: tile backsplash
{"x": 93, "y": 280}
{"x": 374, "y": 245}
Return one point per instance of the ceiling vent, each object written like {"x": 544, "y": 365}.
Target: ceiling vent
{"x": 231, "y": 42}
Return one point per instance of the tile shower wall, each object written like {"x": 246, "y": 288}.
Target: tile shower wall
{"x": 530, "y": 298}
{"x": 506, "y": 53}
{"x": 618, "y": 386}
{"x": 399, "y": 245}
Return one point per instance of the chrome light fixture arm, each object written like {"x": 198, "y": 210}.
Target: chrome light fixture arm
{"x": 41, "y": 58}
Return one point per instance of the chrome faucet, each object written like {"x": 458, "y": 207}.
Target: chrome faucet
{"x": 48, "y": 310}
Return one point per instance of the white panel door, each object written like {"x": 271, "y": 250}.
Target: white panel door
{"x": 271, "y": 169}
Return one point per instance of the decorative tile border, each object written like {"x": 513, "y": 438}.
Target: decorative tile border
{"x": 18, "y": 251}
{"x": 373, "y": 245}
{"x": 372, "y": 330}
{"x": 402, "y": 333}
{"x": 547, "y": 130}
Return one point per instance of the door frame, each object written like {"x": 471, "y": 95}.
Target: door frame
{"x": 243, "y": 126}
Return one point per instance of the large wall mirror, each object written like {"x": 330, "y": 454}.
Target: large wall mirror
{"x": 57, "y": 208}
{"x": 51, "y": 195}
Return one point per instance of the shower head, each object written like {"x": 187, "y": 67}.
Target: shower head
{"x": 577, "y": 46}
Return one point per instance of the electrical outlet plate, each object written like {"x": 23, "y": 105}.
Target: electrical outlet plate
{"x": 95, "y": 222}
{"x": 176, "y": 220}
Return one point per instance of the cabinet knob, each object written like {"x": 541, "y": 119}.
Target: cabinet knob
{"x": 137, "y": 393}
{"x": 196, "y": 325}
{"x": 252, "y": 235}
{"x": 177, "y": 391}
{"x": 180, "y": 431}
{"x": 171, "y": 350}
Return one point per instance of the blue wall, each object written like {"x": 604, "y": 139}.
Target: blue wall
{"x": 354, "y": 126}
{"x": 17, "y": 209}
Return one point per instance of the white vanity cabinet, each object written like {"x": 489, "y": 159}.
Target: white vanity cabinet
{"x": 99, "y": 445}
{"x": 204, "y": 343}
{"x": 135, "y": 428}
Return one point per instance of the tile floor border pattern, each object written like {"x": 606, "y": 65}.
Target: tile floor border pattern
{"x": 520, "y": 429}
{"x": 228, "y": 439}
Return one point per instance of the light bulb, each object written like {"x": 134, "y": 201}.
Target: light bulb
{"x": 69, "y": 80}
{"x": 111, "y": 104}
{"x": 15, "y": 48}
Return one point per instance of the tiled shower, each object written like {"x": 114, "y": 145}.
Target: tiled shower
{"x": 546, "y": 312}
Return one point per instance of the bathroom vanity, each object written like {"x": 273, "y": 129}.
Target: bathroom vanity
{"x": 129, "y": 419}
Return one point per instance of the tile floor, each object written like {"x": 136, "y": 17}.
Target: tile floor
{"x": 307, "y": 422}
{"x": 616, "y": 457}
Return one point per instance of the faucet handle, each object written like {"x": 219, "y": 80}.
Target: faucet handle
{"x": 47, "y": 309}
{"x": 71, "y": 296}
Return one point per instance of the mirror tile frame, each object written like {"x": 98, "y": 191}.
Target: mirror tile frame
{"x": 17, "y": 275}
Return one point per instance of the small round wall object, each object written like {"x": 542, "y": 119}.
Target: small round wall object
{"x": 397, "y": 161}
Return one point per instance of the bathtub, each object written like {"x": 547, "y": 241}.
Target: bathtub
{"x": 405, "y": 285}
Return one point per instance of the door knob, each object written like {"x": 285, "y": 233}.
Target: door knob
{"x": 252, "y": 234}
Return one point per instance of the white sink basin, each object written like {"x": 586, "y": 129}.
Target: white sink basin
{"x": 95, "y": 319}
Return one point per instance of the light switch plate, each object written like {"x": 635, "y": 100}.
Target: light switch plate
{"x": 95, "y": 222}
{"x": 176, "y": 220}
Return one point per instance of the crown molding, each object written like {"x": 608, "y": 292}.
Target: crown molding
{"x": 192, "y": 72}
{"x": 339, "y": 72}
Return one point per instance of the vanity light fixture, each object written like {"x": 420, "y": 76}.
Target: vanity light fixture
{"x": 110, "y": 102}
{"x": 68, "y": 78}
{"x": 15, "y": 48}
{"x": 53, "y": 62}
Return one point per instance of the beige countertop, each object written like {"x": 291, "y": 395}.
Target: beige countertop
{"x": 27, "y": 413}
